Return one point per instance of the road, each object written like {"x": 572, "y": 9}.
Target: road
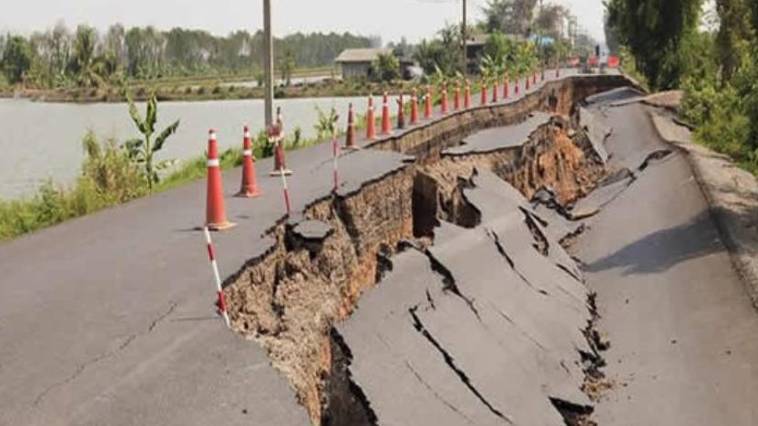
{"x": 683, "y": 333}
{"x": 109, "y": 318}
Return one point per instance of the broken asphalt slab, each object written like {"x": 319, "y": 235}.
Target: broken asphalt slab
{"x": 428, "y": 342}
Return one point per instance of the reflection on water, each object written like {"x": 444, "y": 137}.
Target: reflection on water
{"x": 41, "y": 140}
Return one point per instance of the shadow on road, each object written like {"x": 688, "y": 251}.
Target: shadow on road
{"x": 663, "y": 249}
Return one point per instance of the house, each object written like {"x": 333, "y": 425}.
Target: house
{"x": 356, "y": 63}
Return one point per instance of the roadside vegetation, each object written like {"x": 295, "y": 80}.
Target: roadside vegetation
{"x": 709, "y": 50}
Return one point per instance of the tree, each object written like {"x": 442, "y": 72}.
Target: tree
{"x": 509, "y": 16}
{"x": 287, "y": 66}
{"x": 142, "y": 150}
{"x": 549, "y": 20}
{"x": 17, "y": 59}
{"x": 442, "y": 53}
{"x": 654, "y": 31}
{"x": 386, "y": 67}
{"x": 83, "y": 64}
{"x": 733, "y": 34}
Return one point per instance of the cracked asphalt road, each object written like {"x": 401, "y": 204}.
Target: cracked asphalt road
{"x": 684, "y": 336}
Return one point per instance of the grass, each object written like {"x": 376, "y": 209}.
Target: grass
{"x": 109, "y": 178}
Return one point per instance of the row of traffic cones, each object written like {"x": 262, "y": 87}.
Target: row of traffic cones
{"x": 215, "y": 212}
{"x": 426, "y": 98}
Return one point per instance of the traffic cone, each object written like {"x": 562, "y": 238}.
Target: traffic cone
{"x": 370, "y": 121}
{"x": 443, "y": 101}
{"x": 457, "y": 97}
{"x": 506, "y": 89}
{"x": 215, "y": 212}
{"x": 494, "y": 93}
{"x": 467, "y": 96}
{"x": 276, "y": 136}
{"x": 249, "y": 187}
{"x": 414, "y": 107}
{"x": 400, "y": 112}
{"x": 483, "y": 97}
{"x": 350, "y": 133}
{"x": 386, "y": 126}
{"x": 428, "y": 103}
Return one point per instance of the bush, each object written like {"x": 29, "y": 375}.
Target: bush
{"x": 108, "y": 178}
{"x": 721, "y": 121}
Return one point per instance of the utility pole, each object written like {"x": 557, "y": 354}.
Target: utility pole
{"x": 268, "y": 65}
{"x": 464, "y": 37}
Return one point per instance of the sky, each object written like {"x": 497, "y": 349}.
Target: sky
{"x": 388, "y": 19}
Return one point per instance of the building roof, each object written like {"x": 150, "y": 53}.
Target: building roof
{"x": 361, "y": 55}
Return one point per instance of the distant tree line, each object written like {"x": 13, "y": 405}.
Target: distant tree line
{"x": 85, "y": 57}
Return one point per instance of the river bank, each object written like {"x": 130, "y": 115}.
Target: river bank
{"x": 206, "y": 90}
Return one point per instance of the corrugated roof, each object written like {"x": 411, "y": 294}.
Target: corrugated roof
{"x": 361, "y": 55}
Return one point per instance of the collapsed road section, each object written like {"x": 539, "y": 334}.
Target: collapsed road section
{"x": 472, "y": 313}
{"x": 95, "y": 335}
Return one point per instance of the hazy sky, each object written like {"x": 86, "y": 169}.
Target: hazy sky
{"x": 389, "y": 19}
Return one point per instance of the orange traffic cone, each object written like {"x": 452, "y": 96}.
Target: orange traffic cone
{"x": 249, "y": 187}
{"x": 370, "y": 121}
{"x": 215, "y": 213}
{"x": 350, "y": 133}
{"x": 400, "y": 112}
{"x": 443, "y": 101}
{"x": 428, "y": 103}
{"x": 457, "y": 97}
{"x": 483, "y": 97}
{"x": 506, "y": 89}
{"x": 276, "y": 136}
{"x": 414, "y": 107}
{"x": 467, "y": 96}
{"x": 386, "y": 126}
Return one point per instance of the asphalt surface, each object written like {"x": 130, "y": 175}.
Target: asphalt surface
{"x": 683, "y": 334}
{"x": 109, "y": 319}
{"x": 482, "y": 329}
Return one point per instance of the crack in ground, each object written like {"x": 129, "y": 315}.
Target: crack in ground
{"x": 347, "y": 403}
{"x": 449, "y": 282}
{"x": 542, "y": 245}
{"x": 433, "y": 392}
{"x": 510, "y": 321}
{"x": 499, "y": 246}
{"x": 82, "y": 367}
{"x": 419, "y": 326}
{"x": 658, "y": 154}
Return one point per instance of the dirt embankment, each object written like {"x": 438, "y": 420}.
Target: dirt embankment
{"x": 289, "y": 299}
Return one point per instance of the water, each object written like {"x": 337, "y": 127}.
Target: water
{"x": 43, "y": 140}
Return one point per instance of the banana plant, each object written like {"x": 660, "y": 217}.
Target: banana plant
{"x": 326, "y": 125}
{"x": 142, "y": 150}
{"x": 491, "y": 69}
